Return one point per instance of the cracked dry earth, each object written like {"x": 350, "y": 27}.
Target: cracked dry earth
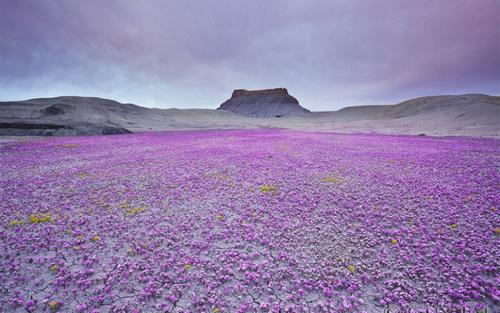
{"x": 249, "y": 221}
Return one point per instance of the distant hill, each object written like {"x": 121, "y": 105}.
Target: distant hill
{"x": 462, "y": 115}
{"x": 263, "y": 103}
{"x": 64, "y": 116}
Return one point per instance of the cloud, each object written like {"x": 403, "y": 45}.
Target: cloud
{"x": 193, "y": 53}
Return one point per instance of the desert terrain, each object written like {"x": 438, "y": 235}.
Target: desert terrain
{"x": 249, "y": 221}
{"x": 249, "y": 208}
{"x": 320, "y": 156}
{"x": 462, "y": 115}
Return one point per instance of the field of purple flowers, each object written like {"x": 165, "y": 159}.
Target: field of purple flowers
{"x": 249, "y": 221}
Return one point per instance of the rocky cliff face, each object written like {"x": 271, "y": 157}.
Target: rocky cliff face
{"x": 263, "y": 103}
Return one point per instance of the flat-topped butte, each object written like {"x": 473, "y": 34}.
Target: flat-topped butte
{"x": 276, "y": 102}
{"x": 246, "y": 92}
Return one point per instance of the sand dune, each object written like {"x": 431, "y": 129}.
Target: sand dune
{"x": 464, "y": 115}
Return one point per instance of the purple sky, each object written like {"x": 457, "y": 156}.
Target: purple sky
{"x": 329, "y": 54}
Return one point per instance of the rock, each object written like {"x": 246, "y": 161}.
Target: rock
{"x": 263, "y": 103}
{"x": 40, "y": 129}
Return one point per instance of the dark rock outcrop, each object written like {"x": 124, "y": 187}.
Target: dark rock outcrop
{"x": 38, "y": 129}
{"x": 263, "y": 103}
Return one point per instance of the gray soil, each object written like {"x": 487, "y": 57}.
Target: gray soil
{"x": 463, "y": 115}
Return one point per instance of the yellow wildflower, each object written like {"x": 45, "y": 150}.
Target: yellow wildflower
{"x": 394, "y": 241}
{"x": 454, "y": 226}
{"x": 268, "y": 188}
{"x": 219, "y": 217}
{"x": 331, "y": 180}
{"x": 53, "y": 305}
{"x": 187, "y": 267}
{"x": 135, "y": 210}
{"x": 14, "y": 223}
{"x": 46, "y": 217}
{"x": 54, "y": 269}
{"x": 34, "y": 219}
{"x": 40, "y": 218}
{"x": 216, "y": 309}
{"x": 96, "y": 238}
{"x": 351, "y": 268}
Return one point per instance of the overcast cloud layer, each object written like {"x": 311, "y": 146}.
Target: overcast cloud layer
{"x": 329, "y": 54}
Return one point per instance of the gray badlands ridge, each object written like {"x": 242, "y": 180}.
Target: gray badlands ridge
{"x": 263, "y": 103}
{"x": 463, "y": 115}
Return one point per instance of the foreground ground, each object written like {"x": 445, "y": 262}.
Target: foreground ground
{"x": 249, "y": 221}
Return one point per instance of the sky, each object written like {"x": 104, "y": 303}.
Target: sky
{"x": 192, "y": 54}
